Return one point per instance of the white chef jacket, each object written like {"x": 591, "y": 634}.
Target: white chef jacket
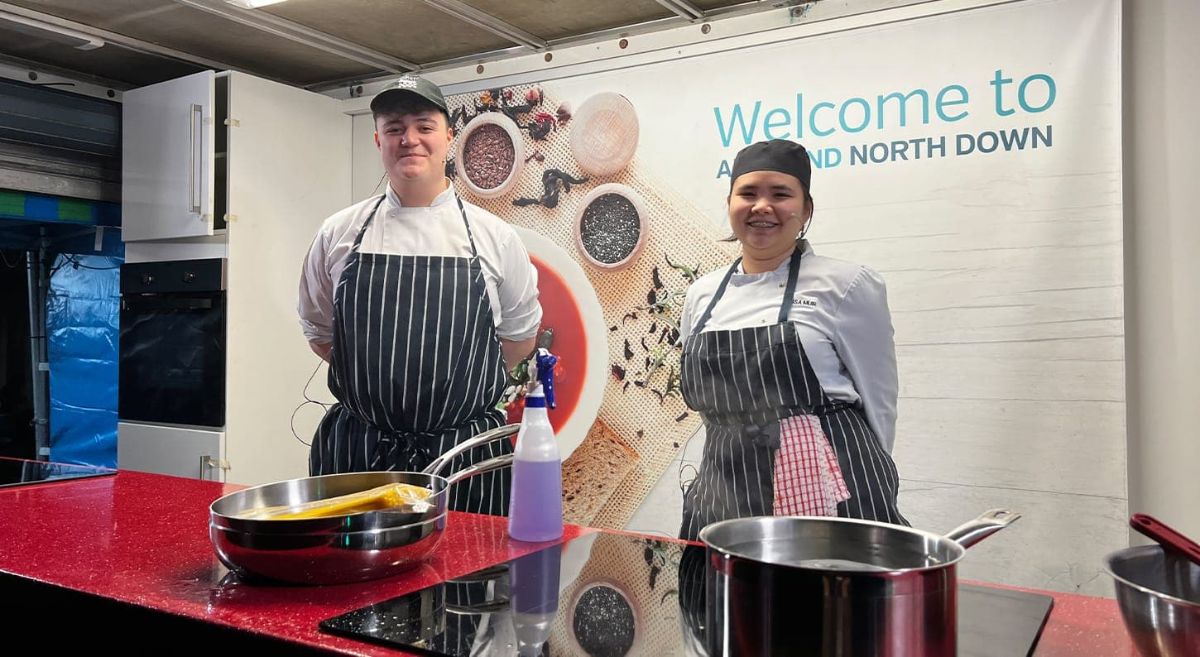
{"x": 841, "y": 315}
{"x": 437, "y": 230}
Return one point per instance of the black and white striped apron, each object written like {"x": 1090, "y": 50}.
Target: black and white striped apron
{"x": 416, "y": 367}
{"x": 743, "y": 382}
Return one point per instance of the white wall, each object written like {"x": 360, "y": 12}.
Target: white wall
{"x": 1162, "y": 252}
{"x": 366, "y": 167}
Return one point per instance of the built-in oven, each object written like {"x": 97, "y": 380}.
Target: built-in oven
{"x": 172, "y": 343}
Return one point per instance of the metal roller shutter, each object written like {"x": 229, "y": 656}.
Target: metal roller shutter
{"x": 58, "y": 143}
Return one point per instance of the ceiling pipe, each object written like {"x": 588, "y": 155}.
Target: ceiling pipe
{"x": 683, "y": 8}
{"x": 302, "y": 34}
{"x": 468, "y": 14}
{"x": 128, "y": 43}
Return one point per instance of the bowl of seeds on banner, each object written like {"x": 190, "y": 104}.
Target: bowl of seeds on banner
{"x": 610, "y": 226}
{"x": 490, "y": 154}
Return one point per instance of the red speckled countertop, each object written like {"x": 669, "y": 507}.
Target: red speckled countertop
{"x": 142, "y": 539}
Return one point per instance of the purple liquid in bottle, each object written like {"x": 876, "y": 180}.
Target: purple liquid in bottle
{"x": 535, "y": 511}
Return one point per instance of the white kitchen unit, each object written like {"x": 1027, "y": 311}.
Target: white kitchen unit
{"x": 276, "y": 165}
{"x": 168, "y": 159}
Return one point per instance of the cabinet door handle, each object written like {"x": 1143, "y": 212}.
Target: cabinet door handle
{"x": 211, "y": 463}
{"x": 195, "y": 168}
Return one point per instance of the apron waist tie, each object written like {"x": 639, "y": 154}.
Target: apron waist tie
{"x": 419, "y": 446}
{"x": 766, "y": 433}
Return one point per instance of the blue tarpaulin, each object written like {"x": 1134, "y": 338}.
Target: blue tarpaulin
{"x": 82, "y": 325}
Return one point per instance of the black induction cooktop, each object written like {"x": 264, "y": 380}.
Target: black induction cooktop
{"x": 611, "y": 595}
{"x": 19, "y": 472}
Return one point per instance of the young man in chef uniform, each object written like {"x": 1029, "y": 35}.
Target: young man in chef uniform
{"x": 420, "y": 302}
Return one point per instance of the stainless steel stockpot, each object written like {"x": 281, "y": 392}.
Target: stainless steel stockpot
{"x": 835, "y": 586}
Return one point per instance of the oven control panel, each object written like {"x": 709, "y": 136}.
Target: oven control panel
{"x": 173, "y": 276}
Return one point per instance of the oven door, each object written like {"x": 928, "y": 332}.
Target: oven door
{"x": 172, "y": 350}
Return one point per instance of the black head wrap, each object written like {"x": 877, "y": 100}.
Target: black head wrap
{"x": 776, "y": 155}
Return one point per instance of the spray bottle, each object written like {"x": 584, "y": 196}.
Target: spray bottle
{"x": 535, "y": 507}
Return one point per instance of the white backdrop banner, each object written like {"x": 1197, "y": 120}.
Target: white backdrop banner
{"x": 973, "y": 159}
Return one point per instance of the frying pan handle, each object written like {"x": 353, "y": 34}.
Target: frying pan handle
{"x": 985, "y": 525}
{"x": 480, "y": 468}
{"x": 440, "y": 463}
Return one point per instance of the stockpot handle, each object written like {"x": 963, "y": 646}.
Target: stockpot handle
{"x": 480, "y": 468}
{"x": 985, "y": 525}
{"x": 440, "y": 463}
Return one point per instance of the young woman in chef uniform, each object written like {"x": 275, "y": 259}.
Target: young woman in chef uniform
{"x": 789, "y": 357}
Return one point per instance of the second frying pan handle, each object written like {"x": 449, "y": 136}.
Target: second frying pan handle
{"x": 480, "y": 468}
{"x": 440, "y": 463}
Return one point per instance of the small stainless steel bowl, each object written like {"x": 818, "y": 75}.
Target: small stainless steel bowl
{"x": 1159, "y": 598}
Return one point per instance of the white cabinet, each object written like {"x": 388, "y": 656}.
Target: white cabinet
{"x": 172, "y": 450}
{"x": 281, "y": 166}
{"x": 289, "y": 169}
{"x": 168, "y": 159}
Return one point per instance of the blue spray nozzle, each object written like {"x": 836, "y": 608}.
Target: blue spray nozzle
{"x": 543, "y": 373}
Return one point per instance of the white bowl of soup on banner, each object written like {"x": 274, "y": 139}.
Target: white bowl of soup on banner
{"x": 571, "y": 309}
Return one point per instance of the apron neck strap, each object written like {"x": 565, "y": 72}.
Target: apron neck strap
{"x": 789, "y": 292}
{"x": 362, "y": 231}
{"x": 461, "y": 209}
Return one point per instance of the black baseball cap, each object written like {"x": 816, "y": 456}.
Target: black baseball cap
{"x": 776, "y": 155}
{"x": 411, "y": 85}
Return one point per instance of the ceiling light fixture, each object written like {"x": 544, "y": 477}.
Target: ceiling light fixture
{"x": 32, "y": 26}
{"x": 253, "y": 4}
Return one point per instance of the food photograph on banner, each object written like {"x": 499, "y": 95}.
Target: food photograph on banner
{"x": 981, "y": 187}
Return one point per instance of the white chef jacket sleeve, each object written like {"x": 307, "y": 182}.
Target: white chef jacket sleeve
{"x": 316, "y": 292}
{"x": 520, "y": 310}
{"x": 865, "y": 342}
